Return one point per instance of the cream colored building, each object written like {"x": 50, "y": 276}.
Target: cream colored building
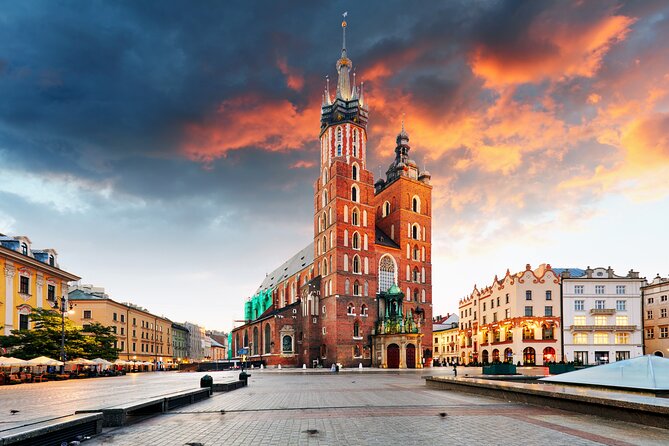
{"x": 32, "y": 279}
{"x": 445, "y": 332}
{"x": 656, "y": 317}
{"x": 515, "y": 319}
{"x": 601, "y": 315}
{"x": 141, "y": 336}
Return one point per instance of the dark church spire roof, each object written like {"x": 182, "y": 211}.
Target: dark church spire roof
{"x": 344, "y": 66}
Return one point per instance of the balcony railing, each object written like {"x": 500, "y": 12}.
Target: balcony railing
{"x": 604, "y": 311}
{"x": 603, "y": 328}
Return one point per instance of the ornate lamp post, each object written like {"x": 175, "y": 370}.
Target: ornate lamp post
{"x": 62, "y": 305}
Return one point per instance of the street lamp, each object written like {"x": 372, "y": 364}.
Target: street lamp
{"x": 62, "y": 305}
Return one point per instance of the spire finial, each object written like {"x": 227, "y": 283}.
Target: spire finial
{"x": 403, "y": 115}
{"x": 343, "y": 30}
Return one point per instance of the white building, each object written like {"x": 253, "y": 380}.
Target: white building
{"x": 601, "y": 315}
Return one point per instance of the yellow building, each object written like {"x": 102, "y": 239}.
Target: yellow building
{"x": 141, "y": 336}
{"x": 32, "y": 279}
{"x": 445, "y": 331}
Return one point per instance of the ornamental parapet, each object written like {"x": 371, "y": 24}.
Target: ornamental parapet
{"x": 603, "y": 328}
{"x": 603, "y": 311}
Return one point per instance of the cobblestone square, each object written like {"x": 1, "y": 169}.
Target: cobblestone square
{"x": 369, "y": 409}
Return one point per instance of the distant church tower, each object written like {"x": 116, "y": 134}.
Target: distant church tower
{"x": 344, "y": 227}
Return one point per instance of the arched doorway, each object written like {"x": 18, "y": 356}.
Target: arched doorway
{"x": 393, "y": 354}
{"x": 411, "y": 356}
{"x": 659, "y": 353}
{"x": 508, "y": 355}
{"x": 484, "y": 356}
{"x": 495, "y": 355}
{"x": 529, "y": 356}
{"x": 549, "y": 355}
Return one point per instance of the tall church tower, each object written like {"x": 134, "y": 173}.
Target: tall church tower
{"x": 344, "y": 229}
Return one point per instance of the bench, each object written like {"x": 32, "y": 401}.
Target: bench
{"x": 122, "y": 414}
{"x": 227, "y": 387}
{"x": 53, "y": 430}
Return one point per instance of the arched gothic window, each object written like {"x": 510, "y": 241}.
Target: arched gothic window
{"x": 324, "y": 245}
{"x": 416, "y": 252}
{"x": 356, "y": 288}
{"x": 354, "y": 193}
{"x": 415, "y": 204}
{"x": 347, "y": 286}
{"x": 415, "y": 232}
{"x": 355, "y": 217}
{"x": 355, "y": 144}
{"x": 339, "y": 141}
{"x": 255, "y": 340}
{"x": 356, "y": 264}
{"x": 416, "y": 275}
{"x": 350, "y": 309}
{"x": 386, "y": 208}
{"x": 386, "y": 273}
{"x": 415, "y": 295}
{"x": 355, "y": 172}
{"x": 356, "y": 330}
{"x": 356, "y": 241}
{"x": 363, "y": 310}
{"x": 24, "y": 249}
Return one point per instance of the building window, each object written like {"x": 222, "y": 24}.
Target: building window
{"x": 664, "y": 332}
{"x": 363, "y": 310}
{"x": 528, "y": 295}
{"x": 600, "y": 320}
{"x": 528, "y": 311}
{"x": 114, "y": 317}
{"x": 549, "y": 295}
{"x": 24, "y": 249}
{"x": 580, "y": 338}
{"x": 354, "y": 193}
{"x": 581, "y": 357}
{"x": 620, "y": 289}
{"x": 287, "y": 344}
{"x": 507, "y": 313}
{"x": 650, "y": 333}
{"x": 24, "y": 285}
{"x": 601, "y": 338}
{"x": 622, "y": 356}
{"x": 355, "y": 172}
{"x": 52, "y": 261}
{"x": 356, "y": 241}
{"x": 23, "y": 322}
{"x": 663, "y": 298}
{"x": 579, "y": 305}
{"x": 350, "y": 310}
{"x": 649, "y": 314}
{"x": 579, "y": 320}
{"x": 51, "y": 292}
{"x": 415, "y": 232}
{"x": 386, "y": 273}
{"x": 356, "y": 330}
{"x": 386, "y": 209}
{"x": 599, "y": 289}
{"x": 355, "y": 218}
{"x": 356, "y": 264}
{"x": 621, "y": 305}
{"x": 663, "y": 312}
{"x": 484, "y": 321}
{"x": 507, "y": 298}
{"x": 528, "y": 333}
{"x": 356, "y": 288}
{"x": 600, "y": 304}
{"x": 87, "y": 314}
{"x": 483, "y": 307}
{"x": 415, "y": 204}
{"x": 622, "y": 320}
{"x": 651, "y": 300}
{"x": 548, "y": 311}
{"x": 578, "y": 289}
{"x": 622, "y": 338}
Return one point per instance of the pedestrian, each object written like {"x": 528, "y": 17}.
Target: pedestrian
{"x": 455, "y": 369}
{"x": 333, "y": 369}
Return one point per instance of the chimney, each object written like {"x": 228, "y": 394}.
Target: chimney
{"x": 633, "y": 274}
{"x": 588, "y": 272}
{"x": 566, "y": 274}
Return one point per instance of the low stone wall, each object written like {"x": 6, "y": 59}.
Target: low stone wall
{"x": 633, "y": 408}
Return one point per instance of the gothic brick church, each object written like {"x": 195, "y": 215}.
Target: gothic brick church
{"x": 361, "y": 292}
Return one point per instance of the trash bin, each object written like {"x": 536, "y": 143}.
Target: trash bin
{"x": 337, "y": 368}
{"x": 207, "y": 381}
{"x": 244, "y": 377}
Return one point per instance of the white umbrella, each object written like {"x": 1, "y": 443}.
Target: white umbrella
{"x": 121, "y": 362}
{"x": 43, "y": 360}
{"x": 82, "y": 361}
{"x": 101, "y": 361}
{"x": 13, "y": 362}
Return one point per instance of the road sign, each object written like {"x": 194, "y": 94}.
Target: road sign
{"x": 243, "y": 351}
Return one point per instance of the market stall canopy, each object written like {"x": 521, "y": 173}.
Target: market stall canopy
{"x": 82, "y": 361}
{"x": 101, "y": 361}
{"x": 13, "y": 362}
{"x": 121, "y": 362}
{"x": 645, "y": 372}
{"x": 43, "y": 360}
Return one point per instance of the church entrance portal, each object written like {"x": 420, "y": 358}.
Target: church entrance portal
{"x": 411, "y": 356}
{"x": 393, "y": 356}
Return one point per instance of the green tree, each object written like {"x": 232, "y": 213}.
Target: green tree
{"x": 45, "y": 339}
{"x": 100, "y": 342}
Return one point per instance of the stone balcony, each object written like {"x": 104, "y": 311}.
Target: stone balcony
{"x": 603, "y": 311}
{"x": 603, "y": 327}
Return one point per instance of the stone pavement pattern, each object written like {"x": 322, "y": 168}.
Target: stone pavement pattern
{"x": 371, "y": 409}
{"x": 59, "y": 398}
